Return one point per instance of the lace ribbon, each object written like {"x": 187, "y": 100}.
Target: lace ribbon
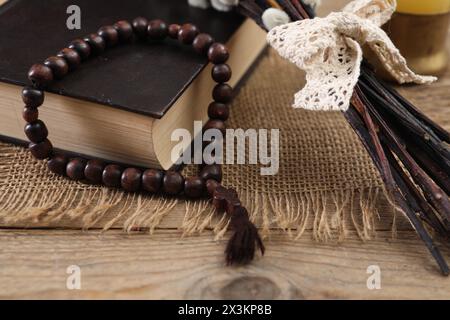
{"x": 330, "y": 51}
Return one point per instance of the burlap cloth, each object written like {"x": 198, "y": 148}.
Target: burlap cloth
{"x": 324, "y": 174}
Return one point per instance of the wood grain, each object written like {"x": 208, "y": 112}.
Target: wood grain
{"x": 115, "y": 265}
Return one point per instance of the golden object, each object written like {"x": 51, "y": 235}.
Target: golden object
{"x": 423, "y": 7}
{"x": 419, "y": 29}
{"x": 422, "y": 41}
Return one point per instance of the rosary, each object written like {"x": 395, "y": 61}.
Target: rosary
{"x": 245, "y": 240}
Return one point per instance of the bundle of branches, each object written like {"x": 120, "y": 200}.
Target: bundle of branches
{"x": 410, "y": 151}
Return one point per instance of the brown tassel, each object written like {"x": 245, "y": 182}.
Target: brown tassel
{"x": 245, "y": 240}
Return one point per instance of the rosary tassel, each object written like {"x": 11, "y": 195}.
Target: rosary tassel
{"x": 245, "y": 240}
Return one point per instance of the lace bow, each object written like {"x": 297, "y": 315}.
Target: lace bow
{"x": 330, "y": 51}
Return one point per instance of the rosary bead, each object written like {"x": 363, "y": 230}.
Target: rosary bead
{"x": 226, "y": 199}
{"x": 173, "y": 183}
{"x": 124, "y": 29}
{"x": 140, "y": 26}
{"x": 173, "y": 31}
{"x": 202, "y": 43}
{"x": 221, "y": 73}
{"x": 152, "y": 180}
{"x": 41, "y": 150}
{"x": 187, "y": 33}
{"x": 32, "y": 98}
{"x": 218, "y": 111}
{"x": 36, "y": 131}
{"x": 40, "y": 75}
{"x": 71, "y": 56}
{"x": 218, "y": 53}
{"x": 215, "y": 124}
{"x": 94, "y": 171}
{"x": 57, "y": 164}
{"x": 109, "y": 34}
{"x": 194, "y": 187}
{"x": 131, "y": 179}
{"x": 111, "y": 176}
{"x": 222, "y": 93}
{"x": 58, "y": 65}
{"x": 81, "y": 47}
{"x": 30, "y": 114}
{"x": 75, "y": 169}
{"x": 157, "y": 30}
{"x": 96, "y": 43}
{"x": 212, "y": 172}
{"x": 211, "y": 186}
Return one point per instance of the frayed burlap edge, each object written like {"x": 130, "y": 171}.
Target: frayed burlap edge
{"x": 330, "y": 215}
{"x": 293, "y": 214}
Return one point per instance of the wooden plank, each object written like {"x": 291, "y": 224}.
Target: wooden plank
{"x": 115, "y": 265}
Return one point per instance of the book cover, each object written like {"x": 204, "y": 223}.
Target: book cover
{"x": 142, "y": 78}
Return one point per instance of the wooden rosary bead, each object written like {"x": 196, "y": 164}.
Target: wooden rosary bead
{"x": 96, "y": 43}
{"x": 32, "y": 97}
{"x": 187, "y": 33}
{"x": 42, "y": 150}
{"x": 109, "y": 34}
{"x": 211, "y": 186}
{"x": 140, "y": 26}
{"x": 58, "y": 65}
{"x": 94, "y": 171}
{"x": 218, "y": 111}
{"x": 173, "y": 30}
{"x": 222, "y": 93}
{"x": 131, "y": 179}
{"x": 81, "y": 47}
{"x": 173, "y": 183}
{"x": 75, "y": 169}
{"x": 152, "y": 180}
{"x": 157, "y": 30}
{"x": 124, "y": 29}
{"x": 112, "y": 175}
{"x": 36, "y": 131}
{"x": 40, "y": 75}
{"x": 218, "y": 53}
{"x": 212, "y": 172}
{"x": 221, "y": 73}
{"x": 226, "y": 199}
{"x": 194, "y": 187}
{"x": 202, "y": 43}
{"x": 71, "y": 56}
{"x": 57, "y": 164}
{"x": 215, "y": 124}
{"x": 30, "y": 114}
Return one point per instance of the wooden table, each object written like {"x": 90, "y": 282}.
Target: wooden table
{"x": 33, "y": 263}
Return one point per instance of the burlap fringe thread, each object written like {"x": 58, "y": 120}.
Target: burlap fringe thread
{"x": 326, "y": 213}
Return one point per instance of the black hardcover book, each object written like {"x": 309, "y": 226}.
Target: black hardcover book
{"x": 139, "y": 82}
